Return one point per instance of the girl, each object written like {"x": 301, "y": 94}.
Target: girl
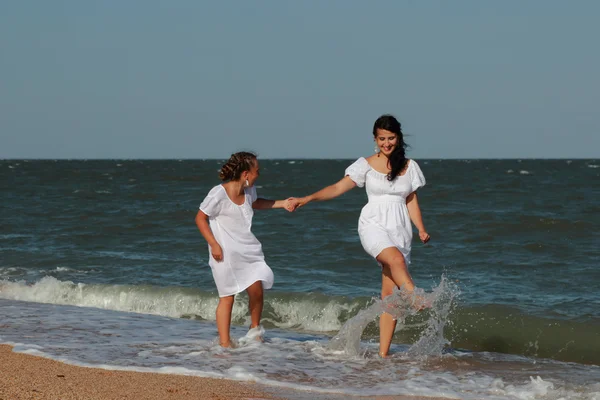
{"x": 236, "y": 258}
{"x": 384, "y": 226}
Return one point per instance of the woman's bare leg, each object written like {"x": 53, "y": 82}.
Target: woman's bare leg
{"x": 394, "y": 274}
{"x": 223, "y": 315}
{"x": 387, "y": 324}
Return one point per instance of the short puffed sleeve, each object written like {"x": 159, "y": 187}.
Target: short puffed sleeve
{"x": 211, "y": 205}
{"x": 252, "y": 192}
{"x": 417, "y": 177}
{"x": 358, "y": 171}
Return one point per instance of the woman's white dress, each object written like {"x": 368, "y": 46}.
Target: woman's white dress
{"x": 384, "y": 221}
{"x": 243, "y": 259}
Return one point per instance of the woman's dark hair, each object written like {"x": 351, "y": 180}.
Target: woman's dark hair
{"x": 237, "y": 163}
{"x": 398, "y": 158}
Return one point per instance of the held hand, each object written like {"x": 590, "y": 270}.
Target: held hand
{"x": 217, "y": 252}
{"x": 290, "y": 204}
{"x": 424, "y": 236}
{"x": 299, "y": 202}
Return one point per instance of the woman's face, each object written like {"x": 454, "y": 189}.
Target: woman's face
{"x": 386, "y": 141}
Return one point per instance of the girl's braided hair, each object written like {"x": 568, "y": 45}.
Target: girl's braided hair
{"x": 237, "y": 163}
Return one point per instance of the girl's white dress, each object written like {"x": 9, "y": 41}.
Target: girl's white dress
{"x": 243, "y": 259}
{"x": 384, "y": 221}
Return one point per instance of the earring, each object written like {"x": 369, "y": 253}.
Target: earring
{"x": 247, "y": 184}
{"x": 377, "y": 150}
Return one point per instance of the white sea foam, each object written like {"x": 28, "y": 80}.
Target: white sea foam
{"x": 299, "y": 313}
{"x": 130, "y": 342}
{"x": 309, "y": 315}
{"x": 146, "y": 300}
{"x": 5, "y": 272}
{"x": 14, "y": 236}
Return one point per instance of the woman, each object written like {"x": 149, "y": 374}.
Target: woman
{"x": 384, "y": 226}
{"x": 236, "y": 257}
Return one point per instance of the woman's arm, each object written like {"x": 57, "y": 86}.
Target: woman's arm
{"x": 202, "y": 224}
{"x": 265, "y": 204}
{"x": 328, "y": 193}
{"x": 414, "y": 211}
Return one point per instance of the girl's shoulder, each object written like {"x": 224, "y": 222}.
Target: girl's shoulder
{"x": 216, "y": 191}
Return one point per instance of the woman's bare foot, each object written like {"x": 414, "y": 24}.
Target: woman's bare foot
{"x": 420, "y": 303}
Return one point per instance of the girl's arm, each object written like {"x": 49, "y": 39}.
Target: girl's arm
{"x": 265, "y": 204}
{"x": 328, "y": 193}
{"x": 415, "y": 216}
{"x": 215, "y": 248}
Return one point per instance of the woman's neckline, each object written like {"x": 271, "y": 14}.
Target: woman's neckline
{"x": 386, "y": 173}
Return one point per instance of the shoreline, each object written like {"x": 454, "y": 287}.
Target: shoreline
{"x": 26, "y": 376}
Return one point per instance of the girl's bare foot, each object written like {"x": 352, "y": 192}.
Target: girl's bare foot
{"x": 256, "y": 333}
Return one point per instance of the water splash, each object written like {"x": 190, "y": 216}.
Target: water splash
{"x": 432, "y": 341}
{"x": 401, "y": 305}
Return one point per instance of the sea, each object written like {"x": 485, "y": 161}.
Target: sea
{"x": 102, "y": 265}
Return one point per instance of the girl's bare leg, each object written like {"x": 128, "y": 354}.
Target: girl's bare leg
{"x": 394, "y": 274}
{"x": 223, "y": 315}
{"x": 255, "y": 303}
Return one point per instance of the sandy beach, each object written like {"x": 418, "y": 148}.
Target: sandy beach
{"x": 23, "y": 376}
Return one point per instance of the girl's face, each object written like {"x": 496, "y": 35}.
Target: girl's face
{"x": 386, "y": 141}
{"x": 253, "y": 174}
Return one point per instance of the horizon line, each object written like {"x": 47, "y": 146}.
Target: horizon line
{"x": 290, "y": 159}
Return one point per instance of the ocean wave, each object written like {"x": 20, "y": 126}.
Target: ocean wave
{"x": 503, "y": 329}
{"x": 483, "y": 328}
{"x": 306, "y": 312}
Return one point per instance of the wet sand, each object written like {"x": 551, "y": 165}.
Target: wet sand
{"x": 24, "y": 376}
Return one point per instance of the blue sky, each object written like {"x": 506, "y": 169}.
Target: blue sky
{"x": 298, "y": 79}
